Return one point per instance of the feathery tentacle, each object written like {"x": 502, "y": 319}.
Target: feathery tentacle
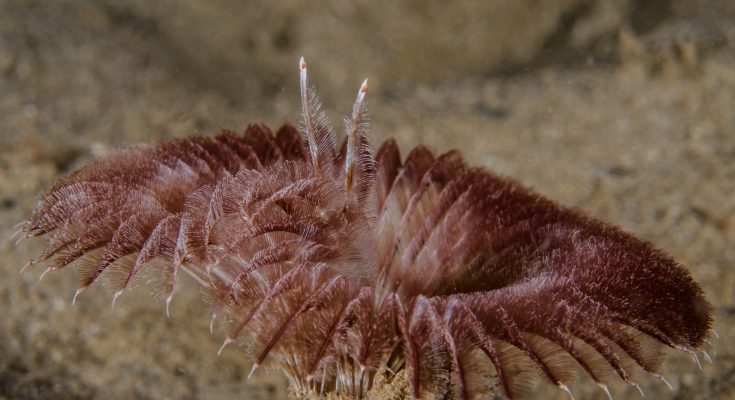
{"x": 336, "y": 265}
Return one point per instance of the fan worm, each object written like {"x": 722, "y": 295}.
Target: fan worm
{"x": 340, "y": 265}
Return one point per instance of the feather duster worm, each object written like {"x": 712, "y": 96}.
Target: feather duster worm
{"x": 340, "y": 266}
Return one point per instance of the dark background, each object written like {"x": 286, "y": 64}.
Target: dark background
{"x": 623, "y": 108}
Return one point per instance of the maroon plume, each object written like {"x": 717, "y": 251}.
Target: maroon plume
{"x": 336, "y": 265}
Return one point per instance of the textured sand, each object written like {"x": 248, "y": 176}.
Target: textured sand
{"x": 625, "y": 111}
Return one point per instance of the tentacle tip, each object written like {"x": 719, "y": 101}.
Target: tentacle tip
{"x": 566, "y": 389}
{"x": 26, "y": 266}
{"x": 707, "y": 357}
{"x": 224, "y": 344}
{"x": 695, "y": 359}
{"x": 364, "y": 86}
{"x": 302, "y": 63}
{"x": 20, "y": 229}
{"x": 76, "y": 294}
{"x": 661, "y": 377}
{"x": 114, "y": 298}
{"x": 211, "y": 323}
{"x": 168, "y": 305}
{"x": 606, "y": 390}
{"x": 252, "y": 370}
{"x": 20, "y": 239}
{"x": 21, "y": 223}
{"x": 43, "y": 274}
{"x": 640, "y": 389}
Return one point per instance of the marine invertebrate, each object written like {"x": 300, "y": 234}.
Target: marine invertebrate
{"x": 339, "y": 265}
